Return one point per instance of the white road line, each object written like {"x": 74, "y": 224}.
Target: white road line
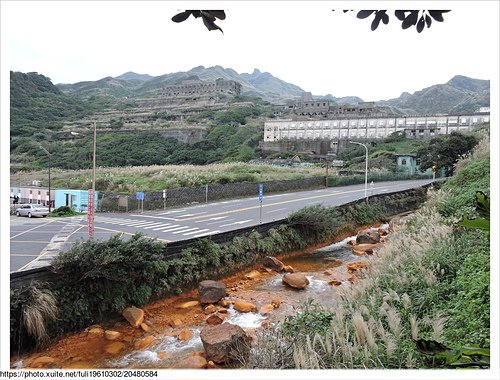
{"x": 235, "y": 223}
{"x": 195, "y": 232}
{"x": 189, "y": 229}
{"x": 187, "y": 215}
{"x": 153, "y": 217}
{"x": 207, "y": 233}
{"x": 228, "y": 220}
{"x": 171, "y": 212}
{"x": 215, "y": 218}
{"x": 157, "y": 225}
{"x": 31, "y": 229}
{"x": 174, "y": 229}
{"x": 161, "y": 228}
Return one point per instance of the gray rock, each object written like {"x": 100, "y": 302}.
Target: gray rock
{"x": 211, "y": 291}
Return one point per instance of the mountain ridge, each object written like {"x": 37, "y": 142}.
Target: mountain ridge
{"x": 459, "y": 94}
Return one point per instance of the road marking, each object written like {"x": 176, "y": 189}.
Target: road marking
{"x": 161, "y": 228}
{"x": 31, "y": 229}
{"x": 170, "y": 229}
{"x": 216, "y": 218}
{"x": 227, "y": 220}
{"x": 280, "y": 203}
{"x": 234, "y": 223}
{"x": 196, "y": 232}
{"x": 29, "y": 241}
{"x": 171, "y": 212}
{"x": 153, "y": 216}
{"x": 185, "y": 215}
{"x": 279, "y": 209}
{"x": 157, "y": 225}
{"x": 25, "y": 254}
{"x": 131, "y": 234}
{"x": 185, "y": 230}
{"x": 207, "y": 233}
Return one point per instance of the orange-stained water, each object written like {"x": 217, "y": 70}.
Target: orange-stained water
{"x": 86, "y": 350}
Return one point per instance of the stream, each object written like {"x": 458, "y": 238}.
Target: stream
{"x": 320, "y": 267}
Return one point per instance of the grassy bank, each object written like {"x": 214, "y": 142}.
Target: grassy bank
{"x": 430, "y": 281}
{"x": 150, "y": 178}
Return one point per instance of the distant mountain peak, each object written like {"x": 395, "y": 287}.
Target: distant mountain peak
{"x": 130, "y": 75}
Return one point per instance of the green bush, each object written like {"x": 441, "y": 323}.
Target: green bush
{"x": 104, "y": 277}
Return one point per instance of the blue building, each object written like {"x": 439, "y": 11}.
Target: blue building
{"x": 76, "y": 199}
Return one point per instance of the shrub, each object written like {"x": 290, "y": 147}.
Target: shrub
{"x": 104, "y": 277}
{"x": 32, "y": 310}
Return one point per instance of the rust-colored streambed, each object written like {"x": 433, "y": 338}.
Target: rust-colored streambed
{"x": 174, "y": 332}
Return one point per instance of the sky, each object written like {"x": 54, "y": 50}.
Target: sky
{"x": 303, "y": 43}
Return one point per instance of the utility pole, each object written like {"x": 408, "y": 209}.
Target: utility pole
{"x": 91, "y": 192}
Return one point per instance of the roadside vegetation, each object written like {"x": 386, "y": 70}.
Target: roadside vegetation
{"x": 430, "y": 281}
{"x": 95, "y": 280}
{"x": 148, "y": 178}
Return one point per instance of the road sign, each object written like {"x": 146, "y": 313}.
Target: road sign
{"x": 164, "y": 194}
{"x": 337, "y": 163}
{"x": 261, "y": 192}
{"x": 139, "y": 196}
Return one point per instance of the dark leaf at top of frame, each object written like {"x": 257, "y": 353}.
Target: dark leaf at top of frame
{"x": 421, "y": 24}
{"x": 221, "y": 15}
{"x": 428, "y": 21}
{"x": 379, "y": 15}
{"x": 410, "y": 20}
{"x": 437, "y": 15}
{"x": 364, "y": 14}
{"x": 400, "y": 14}
{"x": 180, "y": 17}
{"x": 210, "y": 24}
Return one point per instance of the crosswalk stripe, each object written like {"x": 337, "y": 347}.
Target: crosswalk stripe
{"x": 174, "y": 229}
{"x": 163, "y": 227}
{"x": 157, "y": 225}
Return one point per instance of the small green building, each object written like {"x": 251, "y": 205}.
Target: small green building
{"x": 410, "y": 164}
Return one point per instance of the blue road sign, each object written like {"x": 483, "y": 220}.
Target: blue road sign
{"x": 261, "y": 192}
{"x": 139, "y": 196}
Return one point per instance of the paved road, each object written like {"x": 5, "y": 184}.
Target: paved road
{"x": 35, "y": 241}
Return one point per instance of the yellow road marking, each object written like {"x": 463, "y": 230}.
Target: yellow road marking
{"x": 276, "y": 203}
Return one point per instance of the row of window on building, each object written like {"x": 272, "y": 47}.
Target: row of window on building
{"x": 376, "y": 128}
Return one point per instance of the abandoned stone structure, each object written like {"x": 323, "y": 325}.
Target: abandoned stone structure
{"x": 307, "y": 106}
{"x": 197, "y": 86}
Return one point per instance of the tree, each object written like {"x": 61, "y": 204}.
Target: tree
{"x": 446, "y": 150}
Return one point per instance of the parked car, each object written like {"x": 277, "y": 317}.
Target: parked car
{"x": 32, "y": 210}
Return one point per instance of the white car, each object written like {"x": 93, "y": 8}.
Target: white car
{"x": 32, "y": 210}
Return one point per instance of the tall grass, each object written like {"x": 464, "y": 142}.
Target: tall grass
{"x": 149, "y": 178}
{"x": 429, "y": 281}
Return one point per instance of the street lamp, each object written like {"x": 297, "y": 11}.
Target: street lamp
{"x": 366, "y": 166}
{"x": 49, "y": 155}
